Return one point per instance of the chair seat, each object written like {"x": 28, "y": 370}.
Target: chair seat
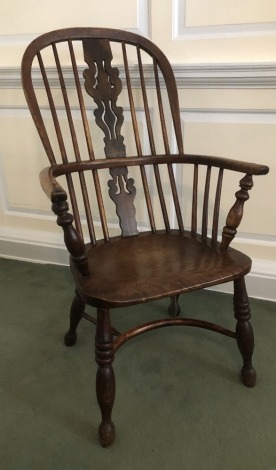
{"x": 126, "y": 271}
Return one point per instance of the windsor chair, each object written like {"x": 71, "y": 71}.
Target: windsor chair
{"x": 146, "y": 217}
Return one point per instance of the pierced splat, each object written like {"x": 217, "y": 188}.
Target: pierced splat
{"x": 122, "y": 192}
{"x": 103, "y": 84}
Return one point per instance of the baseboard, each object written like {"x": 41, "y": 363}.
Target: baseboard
{"x": 261, "y": 282}
{"x": 45, "y": 253}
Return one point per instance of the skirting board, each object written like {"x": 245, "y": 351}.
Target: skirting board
{"x": 261, "y": 282}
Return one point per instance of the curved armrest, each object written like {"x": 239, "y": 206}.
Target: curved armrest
{"x": 229, "y": 164}
{"x": 219, "y": 162}
{"x": 50, "y": 185}
{"x": 72, "y": 239}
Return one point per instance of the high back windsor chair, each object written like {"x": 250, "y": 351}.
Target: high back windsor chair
{"x": 145, "y": 217}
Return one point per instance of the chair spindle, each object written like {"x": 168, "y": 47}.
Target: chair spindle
{"x": 217, "y": 206}
{"x": 194, "y": 202}
{"x": 167, "y": 147}
{"x": 61, "y": 145}
{"x": 87, "y": 207}
{"x": 137, "y": 140}
{"x": 152, "y": 144}
{"x": 206, "y": 204}
{"x": 89, "y": 143}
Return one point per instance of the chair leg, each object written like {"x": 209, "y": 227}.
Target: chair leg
{"x": 174, "y": 308}
{"x": 77, "y": 309}
{"x": 244, "y": 331}
{"x": 105, "y": 380}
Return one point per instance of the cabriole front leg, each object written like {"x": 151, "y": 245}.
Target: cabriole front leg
{"x": 105, "y": 380}
{"x": 244, "y": 332}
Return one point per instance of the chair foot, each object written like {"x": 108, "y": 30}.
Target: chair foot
{"x": 244, "y": 332}
{"x": 70, "y": 338}
{"x": 174, "y": 309}
{"x": 248, "y": 376}
{"x": 106, "y": 434}
{"x": 77, "y": 309}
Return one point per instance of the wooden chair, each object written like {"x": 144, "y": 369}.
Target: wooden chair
{"x": 158, "y": 233}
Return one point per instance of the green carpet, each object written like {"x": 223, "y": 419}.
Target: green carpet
{"x": 179, "y": 402}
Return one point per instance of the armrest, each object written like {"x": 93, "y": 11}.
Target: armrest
{"x": 72, "y": 239}
{"x": 56, "y": 193}
{"x": 50, "y": 186}
{"x": 219, "y": 162}
{"x": 229, "y": 164}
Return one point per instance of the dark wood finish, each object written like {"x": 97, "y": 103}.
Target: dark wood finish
{"x": 216, "y": 207}
{"x": 105, "y": 380}
{"x": 72, "y": 237}
{"x": 244, "y": 331}
{"x": 161, "y": 265}
{"x": 76, "y": 314}
{"x": 174, "y": 308}
{"x": 236, "y": 212}
{"x": 153, "y": 325}
{"x": 135, "y": 267}
{"x": 103, "y": 84}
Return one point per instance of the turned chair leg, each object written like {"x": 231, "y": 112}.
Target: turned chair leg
{"x": 105, "y": 379}
{"x": 244, "y": 332}
{"x": 174, "y": 308}
{"x": 77, "y": 309}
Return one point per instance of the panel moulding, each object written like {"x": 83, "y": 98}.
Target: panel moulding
{"x": 182, "y": 31}
{"x": 142, "y": 27}
{"x": 143, "y": 18}
{"x": 206, "y": 76}
{"x": 12, "y": 210}
{"x": 228, "y": 115}
{"x": 260, "y": 282}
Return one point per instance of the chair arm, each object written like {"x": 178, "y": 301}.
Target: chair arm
{"x": 50, "y": 186}
{"x": 236, "y": 212}
{"x": 72, "y": 239}
{"x": 219, "y": 162}
{"x": 228, "y": 164}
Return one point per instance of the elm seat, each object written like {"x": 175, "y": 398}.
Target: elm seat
{"x": 106, "y": 108}
{"x": 160, "y": 265}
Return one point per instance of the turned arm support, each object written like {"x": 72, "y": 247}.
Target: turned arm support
{"x": 235, "y": 214}
{"x": 72, "y": 239}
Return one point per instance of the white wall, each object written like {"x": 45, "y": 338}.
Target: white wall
{"x": 224, "y": 57}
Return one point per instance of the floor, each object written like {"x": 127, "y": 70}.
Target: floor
{"x": 179, "y": 402}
